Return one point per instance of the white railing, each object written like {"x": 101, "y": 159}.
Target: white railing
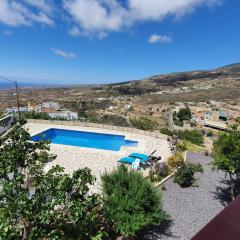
{"x": 5, "y": 123}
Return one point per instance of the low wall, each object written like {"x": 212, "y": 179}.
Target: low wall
{"x": 102, "y": 126}
{"x": 5, "y": 123}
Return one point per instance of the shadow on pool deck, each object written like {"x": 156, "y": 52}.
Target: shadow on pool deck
{"x": 191, "y": 208}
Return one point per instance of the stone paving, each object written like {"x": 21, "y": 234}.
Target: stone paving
{"x": 99, "y": 161}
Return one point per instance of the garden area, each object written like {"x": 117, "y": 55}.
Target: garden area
{"x": 39, "y": 204}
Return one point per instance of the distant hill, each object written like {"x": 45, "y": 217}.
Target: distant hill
{"x": 225, "y": 76}
{"x": 233, "y": 67}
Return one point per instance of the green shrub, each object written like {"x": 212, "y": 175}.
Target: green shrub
{"x": 115, "y": 120}
{"x": 178, "y": 122}
{"x": 184, "y": 114}
{"x": 166, "y": 131}
{"x": 130, "y": 202}
{"x": 196, "y": 167}
{"x": 186, "y": 145}
{"x": 144, "y": 123}
{"x": 184, "y": 176}
{"x": 176, "y": 160}
{"x": 193, "y": 136}
{"x": 35, "y": 115}
{"x": 181, "y": 147}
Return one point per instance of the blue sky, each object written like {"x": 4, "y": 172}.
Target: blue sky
{"x": 98, "y": 41}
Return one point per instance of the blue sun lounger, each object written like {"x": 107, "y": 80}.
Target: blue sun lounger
{"x": 133, "y": 156}
{"x": 130, "y": 160}
{"x": 140, "y": 156}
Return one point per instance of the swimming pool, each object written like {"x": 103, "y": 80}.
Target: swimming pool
{"x": 84, "y": 139}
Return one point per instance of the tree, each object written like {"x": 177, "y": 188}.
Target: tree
{"x": 130, "y": 202}
{"x": 184, "y": 114}
{"x": 226, "y": 154}
{"x": 39, "y": 205}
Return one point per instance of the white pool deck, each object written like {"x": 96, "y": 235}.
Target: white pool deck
{"x": 72, "y": 158}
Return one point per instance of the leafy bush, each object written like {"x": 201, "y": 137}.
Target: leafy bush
{"x": 39, "y": 205}
{"x": 166, "y": 131}
{"x": 35, "y": 115}
{"x": 144, "y": 123}
{"x": 178, "y": 122}
{"x": 193, "y": 136}
{"x": 130, "y": 201}
{"x": 115, "y": 120}
{"x": 196, "y": 167}
{"x": 184, "y": 114}
{"x": 184, "y": 176}
{"x": 175, "y": 160}
{"x": 226, "y": 154}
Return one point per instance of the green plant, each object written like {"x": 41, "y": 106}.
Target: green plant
{"x": 196, "y": 167}
{"x": 193, "y": 136}
{"x": 35, "y": 115}
{"x": 226, "y": 154}
{"x": 184, "y": 114}
{"x": 159, "y": 172}
{"x": 35, "y": 204}
{"x": 176, "y": 160}
{"x": 130, "y": 202}
{"x": 186, "y": 145}
{"x": 166, "y": 131}
{"x": 113, "y": 119}
{"x": 184, "y": 176}
{"x": 144, "y": 123}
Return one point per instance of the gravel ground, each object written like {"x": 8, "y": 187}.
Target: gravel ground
{"x": 192, "y": 208}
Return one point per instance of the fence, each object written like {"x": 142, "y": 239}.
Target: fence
{"x": 101, "y": 126}
{"x": 5, "y": 123}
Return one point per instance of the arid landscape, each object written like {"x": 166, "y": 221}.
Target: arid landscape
{"x": 151, "y": 96}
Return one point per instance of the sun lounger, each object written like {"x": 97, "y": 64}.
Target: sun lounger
{"x": 129, "y": 160}
{"x": 140, "y": 156}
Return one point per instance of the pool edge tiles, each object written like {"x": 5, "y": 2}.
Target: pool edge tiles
{"x": 85, "y": 139}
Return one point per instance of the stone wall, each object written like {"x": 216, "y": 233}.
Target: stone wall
{"x": 101, "y": 126}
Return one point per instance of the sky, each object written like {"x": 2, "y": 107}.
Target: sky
{"x": 107, "y": 41}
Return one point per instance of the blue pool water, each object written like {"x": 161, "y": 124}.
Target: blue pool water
{"x": 84, "y": 139}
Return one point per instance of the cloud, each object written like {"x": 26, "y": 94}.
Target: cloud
{"x": 112, "y": 15}
{"x": 155, "y": 38}
{"x": 7, "y": 32}
{"x": 75, "y": 32}
{"x": 15, "y": 13}
{"x": 96, "y": 17}
{"x": 61, "y": 53}
{"x": 43, "y": 5}
{"x": 106, "y": 14}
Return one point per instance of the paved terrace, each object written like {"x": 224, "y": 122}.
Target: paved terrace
{"x": 190, "y": 209}
{"x": 99, "y": 161}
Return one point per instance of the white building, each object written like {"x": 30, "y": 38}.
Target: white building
{"x": 15, "y": 110}
{"x": 68, "y": 115}
{"x": 51, "y": 105}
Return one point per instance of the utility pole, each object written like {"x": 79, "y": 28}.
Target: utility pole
{"x": 17, "y": 94}
{"x": 17, "y": 99}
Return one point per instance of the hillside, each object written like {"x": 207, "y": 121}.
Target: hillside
{"x": 227, "y": 76}
{"x": 217, "y": 84}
